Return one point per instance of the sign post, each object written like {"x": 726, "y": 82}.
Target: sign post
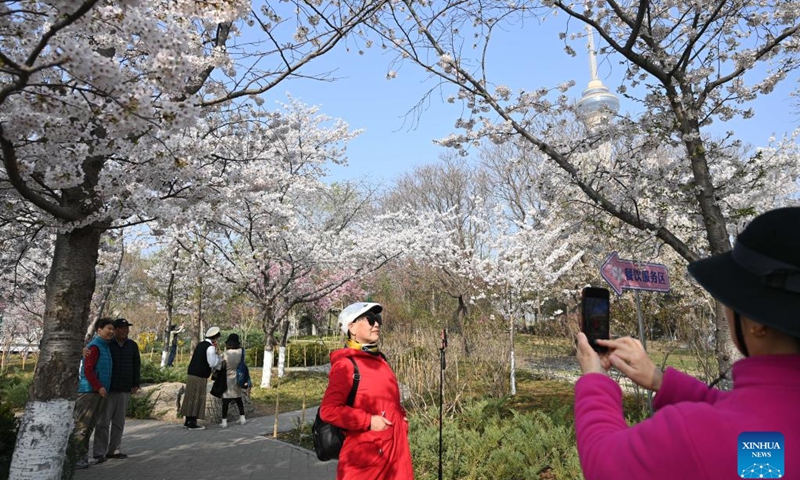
{"x": 632, "y": 275}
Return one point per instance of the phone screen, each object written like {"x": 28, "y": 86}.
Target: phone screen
{"x": 595, "y": 316}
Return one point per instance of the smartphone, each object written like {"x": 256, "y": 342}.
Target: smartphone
{"x": 595, "y": 306}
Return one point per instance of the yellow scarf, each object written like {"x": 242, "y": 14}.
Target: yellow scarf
{"x": 369, "y": 347}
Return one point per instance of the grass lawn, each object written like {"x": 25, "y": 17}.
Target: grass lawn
{"x": 295, "y": 391}
{"x": 303, "y": 389}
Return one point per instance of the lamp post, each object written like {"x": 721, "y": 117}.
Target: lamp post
{"x": 597, "y": 105}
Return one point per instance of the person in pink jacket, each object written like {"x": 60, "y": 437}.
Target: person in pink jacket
{"x": 376, "y": 439}
{"x": 697, "y": 432}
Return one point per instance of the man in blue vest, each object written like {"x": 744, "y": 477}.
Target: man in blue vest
{"x": 125, "y": 375}
{"x": 93, "y": 386}
{"x": 204, "y": 361}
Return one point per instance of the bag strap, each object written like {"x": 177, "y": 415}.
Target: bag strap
{"x": 356, "y": 378}
{"x": 241, "y": 360}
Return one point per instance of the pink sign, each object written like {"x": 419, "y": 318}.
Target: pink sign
{"x": 630, "y": 275}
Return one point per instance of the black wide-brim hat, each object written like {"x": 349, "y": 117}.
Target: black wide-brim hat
{"x": 760, "y": 277}
{"x": 233, "y": 341}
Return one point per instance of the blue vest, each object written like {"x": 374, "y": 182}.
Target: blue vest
{"x": 102, "y": 369}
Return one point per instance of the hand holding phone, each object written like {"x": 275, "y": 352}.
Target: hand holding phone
{"x": 595, "y": 315}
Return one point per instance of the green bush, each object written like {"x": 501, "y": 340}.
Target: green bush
{"x": 153, "y": 373}
{"x": 488, "y": 441}
{"x": 140, "y": 406}
{"x": 8, "y": 437}
{"x": 307, "y": 354}
{"x": 14, "y": 391}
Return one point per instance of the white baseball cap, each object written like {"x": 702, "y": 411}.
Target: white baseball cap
{"x": 355, "y": 310}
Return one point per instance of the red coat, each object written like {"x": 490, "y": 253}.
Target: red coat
{"x": 367, "y": 455}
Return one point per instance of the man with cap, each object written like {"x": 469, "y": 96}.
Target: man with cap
{"x": 697, "y": 432}
{"x": 204, "y": 361}
{"x": 125, "y": 377}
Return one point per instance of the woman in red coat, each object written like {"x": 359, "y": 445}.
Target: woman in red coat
{"x": 376, "y": 441}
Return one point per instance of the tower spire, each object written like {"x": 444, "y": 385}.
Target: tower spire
{"x": 598, "y": 104}
{"x": 592, "y": 53}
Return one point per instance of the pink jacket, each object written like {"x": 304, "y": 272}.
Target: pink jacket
{"x": 694, "y": 432}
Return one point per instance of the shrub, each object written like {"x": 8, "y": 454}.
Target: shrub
{"x": 302, "y": 354}
{"x": 8, "y": 437}
{"x": 153, "y": 373}
{"x": 140, "y": 407}
{"x": 148, "y": 341}
{"x": 482, "y": 372}
{"x": 488, "y": 441}
{"x": 15, "y": 390}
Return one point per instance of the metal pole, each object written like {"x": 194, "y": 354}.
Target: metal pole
{"x": 641, "y": 322}
{"x": 512, "y": 360}
{"x": 644, "y": 344}
{"x": 441, "y": 395}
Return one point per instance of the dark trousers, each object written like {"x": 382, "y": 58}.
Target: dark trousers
{"x": 171, "y": 357}
{"x": 227, "y": 401}
{"x": 88, "y": 408}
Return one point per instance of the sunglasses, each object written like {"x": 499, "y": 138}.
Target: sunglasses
{"x": 372, "y": 318}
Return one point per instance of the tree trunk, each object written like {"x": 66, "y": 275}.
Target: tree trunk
{"x": 170, "y": 303}
{"x": 512, "y": 360}
{"x": 47, "y": 422}
{"x": 708, "y": 203}
{"x": 266, "y": 375}
{"x": 458, "y": 319}
{"x": 165, "y": 330}
{"x": 7, "y": 341}
{"x": 281, "y": 361}
{"x": 724, "y": 350}
{"x": 197, "y": 329}
{"x": 268, "y": 325}
{"x": 282, "y": 348}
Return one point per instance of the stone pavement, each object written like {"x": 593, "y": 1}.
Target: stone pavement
{"x": 167, "y": 451}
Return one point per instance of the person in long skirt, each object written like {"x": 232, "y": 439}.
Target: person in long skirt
{"x": 204, "y": 361}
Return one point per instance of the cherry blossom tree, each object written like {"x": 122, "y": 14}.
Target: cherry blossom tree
{"x": 528, "y": 258}
{"x": 688, "y": 64}
{"x": 458, "y": 196}
{"x": 333, "y": 303}
{"x": 95, "y": 101}
{"x": 22, "y": 267}
{"x": 282, "y": 236}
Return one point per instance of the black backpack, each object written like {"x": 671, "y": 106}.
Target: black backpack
{"x": 328, "y": 439}
{"x": 243, "y": 373}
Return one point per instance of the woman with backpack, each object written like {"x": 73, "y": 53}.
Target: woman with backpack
{"x": 233, "y": 355}
{"x": 376, "y": 428}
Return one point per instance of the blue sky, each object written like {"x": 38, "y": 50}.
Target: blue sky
{"x": 526, "y": 58}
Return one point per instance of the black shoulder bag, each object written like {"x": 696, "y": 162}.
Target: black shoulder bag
{"x": 220, "y": 384}
{"x": 328, "y": 439}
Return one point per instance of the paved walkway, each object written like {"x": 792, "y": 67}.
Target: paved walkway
{"x": 166, "y": 451}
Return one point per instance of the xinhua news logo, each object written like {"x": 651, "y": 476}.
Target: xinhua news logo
{"x": 761, "y": 455}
